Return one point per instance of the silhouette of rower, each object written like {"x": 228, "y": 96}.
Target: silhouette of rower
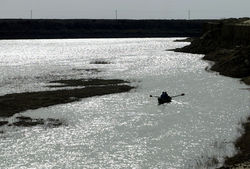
{"x": 165, "y": 96}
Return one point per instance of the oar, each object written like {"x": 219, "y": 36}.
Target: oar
{"x": 179, "y": 95}
{"x": 153, "y": 96}
{"x": 170, "y": 96}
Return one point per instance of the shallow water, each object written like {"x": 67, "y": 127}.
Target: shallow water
{"x": 127, "y": 130}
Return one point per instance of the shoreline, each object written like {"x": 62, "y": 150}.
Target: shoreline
{"x": 12, "y": 104}
{"x": 75, "y": 97}
{"x": 242, "y": 159}
{"x": 227, "y": 44}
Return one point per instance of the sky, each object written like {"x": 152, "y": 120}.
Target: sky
{"x": 126, "y": 9}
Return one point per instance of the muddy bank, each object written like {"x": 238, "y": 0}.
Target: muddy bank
{"x": 11, "y": 104}
{"x": 227, "y": 44}
{"x": 243, "y": 157}
{"x": 86, "y": 82}
{"x": 24, "y": 121}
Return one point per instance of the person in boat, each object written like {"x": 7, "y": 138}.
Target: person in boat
{"x": 165, "y": 96}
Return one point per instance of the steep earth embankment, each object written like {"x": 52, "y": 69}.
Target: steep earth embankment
{"x": 227, "y": 43}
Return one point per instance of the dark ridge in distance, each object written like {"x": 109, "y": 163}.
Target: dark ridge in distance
{"x": 97, "y": 28}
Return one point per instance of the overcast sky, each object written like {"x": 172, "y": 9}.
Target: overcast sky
{"x": 126, "y": 9}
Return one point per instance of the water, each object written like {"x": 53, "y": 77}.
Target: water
{"x": 127, "y": 130}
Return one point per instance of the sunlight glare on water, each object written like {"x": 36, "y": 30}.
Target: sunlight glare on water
{"x": 127, "y": 130}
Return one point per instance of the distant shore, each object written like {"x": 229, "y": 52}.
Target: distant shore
{"x": 227, "y": 44}
{"x": 97, "y": 28}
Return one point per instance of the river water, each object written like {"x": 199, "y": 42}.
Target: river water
{"x": 127, "y": 130}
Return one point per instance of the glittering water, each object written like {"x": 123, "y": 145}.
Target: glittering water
{"x": 127, "y": 130}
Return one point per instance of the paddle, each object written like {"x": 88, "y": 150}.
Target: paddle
{"x": 153, "y": 96}
{"x": 170, "y": 96}
{"x": 179, "y": 95}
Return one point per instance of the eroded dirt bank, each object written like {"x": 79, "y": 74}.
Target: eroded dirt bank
{"x": 227, "y": 44}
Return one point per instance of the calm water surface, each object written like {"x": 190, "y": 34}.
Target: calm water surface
{"x": 127, "y": 130}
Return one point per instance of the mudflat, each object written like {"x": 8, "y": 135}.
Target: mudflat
{"x": 11, "y": 104}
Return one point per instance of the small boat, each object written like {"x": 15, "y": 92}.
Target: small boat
{"x": 165, "y": 100}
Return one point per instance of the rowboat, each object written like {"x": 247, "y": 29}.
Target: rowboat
{"x": 165, "y": 100}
